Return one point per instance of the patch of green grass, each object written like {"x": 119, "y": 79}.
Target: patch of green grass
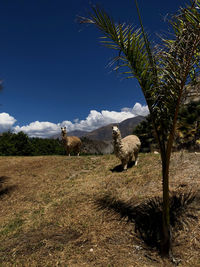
{"x": 37, "y": 212}
{"x": 11, "y": 226}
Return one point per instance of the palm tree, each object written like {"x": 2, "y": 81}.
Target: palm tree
{"x": 162, "y": 74}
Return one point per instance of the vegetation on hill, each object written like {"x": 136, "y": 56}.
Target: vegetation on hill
{"x": 188, "y": 127}
{"x": 12, "y": 144}
{"x": 187, "y": 135}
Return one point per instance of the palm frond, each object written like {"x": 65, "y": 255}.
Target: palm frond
{"x": 131, "y": 44}
{"x": 147, "y": 43}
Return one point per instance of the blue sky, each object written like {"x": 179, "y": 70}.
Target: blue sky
{"x": 54, "y": 69}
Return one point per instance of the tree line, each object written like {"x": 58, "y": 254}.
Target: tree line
{"x": 19, "y": 144}
{"x": 187, "y": 134}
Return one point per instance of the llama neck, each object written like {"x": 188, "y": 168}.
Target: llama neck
{"x": 64, "y": 136}
{"x": 117, "y": 142}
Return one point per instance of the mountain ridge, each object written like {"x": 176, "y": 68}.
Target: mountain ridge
{"x": 104, "y": 133}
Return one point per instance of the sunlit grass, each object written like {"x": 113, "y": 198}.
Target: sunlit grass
{"x": 50, "y": 216}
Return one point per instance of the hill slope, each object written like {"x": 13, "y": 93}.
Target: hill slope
{"x": 105, "y": 133}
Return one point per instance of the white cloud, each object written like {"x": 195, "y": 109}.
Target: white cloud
{"x": 39, "y": 129}
{"x": 138, "y": 109}
{"x": 94, "y": 120}
{"x": 6, "y": 122}
{"x": 97, "y": 119}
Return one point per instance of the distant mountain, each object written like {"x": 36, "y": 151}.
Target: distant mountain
{"x": 102, "y": 133}
{"x": 127, "y": 126}
{"x": 77, "y": 133}
{"x": 105, "y": 133}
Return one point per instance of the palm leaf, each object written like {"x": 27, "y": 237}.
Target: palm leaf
{"x": 131, "y": 44}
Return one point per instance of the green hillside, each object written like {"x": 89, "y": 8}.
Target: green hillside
{"x": 187, "y": 130}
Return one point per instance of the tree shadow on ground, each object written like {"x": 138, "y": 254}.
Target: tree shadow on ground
{"x": 147, "y": 215}
{"x": 119, "y": 167}
{"x": 4, "y": 188}
{"x": 3, "y": 179}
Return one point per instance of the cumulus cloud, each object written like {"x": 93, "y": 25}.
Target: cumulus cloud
{"x": 97, "y": 119}
{"x": 94, "y": 120}
{"x": 6, "y": 122}
{"x": 39, "y": 129}
{"x": 137, "y": 110}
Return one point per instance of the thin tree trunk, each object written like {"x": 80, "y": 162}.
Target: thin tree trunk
{"x": 166, "y": 234}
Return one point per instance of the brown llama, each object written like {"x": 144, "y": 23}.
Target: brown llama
{"x": 71, "y": 143}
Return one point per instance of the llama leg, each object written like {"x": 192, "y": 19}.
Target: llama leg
{"x": 130, "y": 160}
{"x": 136, "y": 158}
{"x": 67, "y": 151}
{"x": 124, "y": 165}
{"x": 78, "y": 150}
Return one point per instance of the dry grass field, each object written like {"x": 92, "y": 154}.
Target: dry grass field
{"x": 52, "y": 214}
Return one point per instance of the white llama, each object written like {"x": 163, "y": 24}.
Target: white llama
{"x": 71, "y": 143}
{"x": 125, "y": 149}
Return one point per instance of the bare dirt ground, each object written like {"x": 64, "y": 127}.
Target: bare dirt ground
{"x": 49, "y": 214}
